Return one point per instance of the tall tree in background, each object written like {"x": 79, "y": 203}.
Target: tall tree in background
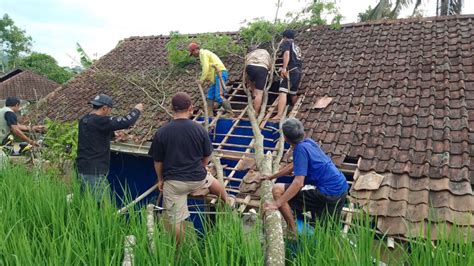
{"x": 47, "y": 66}
{"x": 443, "y": 8}
{"x": 13, "y": 43}
{"x": 86, "y": 61}
{"x": 448, "y": 7}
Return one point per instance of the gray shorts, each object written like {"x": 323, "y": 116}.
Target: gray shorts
{"x": 175, "y": 196}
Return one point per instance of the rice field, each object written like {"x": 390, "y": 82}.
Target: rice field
{"x": 39, "y": 227}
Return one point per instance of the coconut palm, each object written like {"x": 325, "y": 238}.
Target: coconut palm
{"x": 444, "y": 8}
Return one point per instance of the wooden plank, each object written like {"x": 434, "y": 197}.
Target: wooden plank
{"x": 244, "y": 204}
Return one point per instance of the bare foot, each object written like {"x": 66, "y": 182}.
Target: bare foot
{"x": 276, "y": 118}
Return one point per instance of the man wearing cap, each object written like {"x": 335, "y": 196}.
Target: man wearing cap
{"x": 257, "y": 64}
{"x": 181, "y": 150}
{"x": 9, "y": 123}
{"x": 210, "y": 62}
{"x": 96, "y": 130}
{"x": 290, "y": 72}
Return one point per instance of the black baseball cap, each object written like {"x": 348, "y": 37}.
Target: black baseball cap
{"x": 101, "y": 100}
{"x": 289, "y": 33}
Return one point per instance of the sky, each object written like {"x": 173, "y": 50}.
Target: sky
{"x": 98, "y": 25}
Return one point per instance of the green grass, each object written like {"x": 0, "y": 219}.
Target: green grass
{"x": 38, "y": 227}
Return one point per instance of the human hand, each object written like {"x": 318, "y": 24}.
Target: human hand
{"x": 39, "y": 128}
{"x": 160, "y": 185}
{"x": 264, "y": 177}
{"x": 271, "y": 206}
{"x": 200, "y": 82}
{"x": 283, "y": 73}
{"x": 139, "y": 107}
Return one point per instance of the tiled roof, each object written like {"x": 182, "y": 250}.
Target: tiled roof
{"x": 135, "y": 63}
{"x": 403, "y": 102}
{"x": 26, "y": 85}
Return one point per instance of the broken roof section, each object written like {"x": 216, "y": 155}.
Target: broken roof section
{"x": 137, "y": 70}
{"x": 402, "y": 100}
{"x": 25, "y": 85}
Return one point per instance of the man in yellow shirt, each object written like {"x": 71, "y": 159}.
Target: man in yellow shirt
{"x": 209, "y": 63}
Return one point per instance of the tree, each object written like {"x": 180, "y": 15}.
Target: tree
{"x": 365, "y": 16}
{"x": 47, "y": 66}
{"x": 86, "y": 61}
{"x": 448, "y": 7}
{"x": 13, "y": 42}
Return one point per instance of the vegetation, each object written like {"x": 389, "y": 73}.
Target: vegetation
{"x": 60, "y": 141}
{"x": 45, "y": 65}
{"x": 13, "y": 43}
{"x": 257, "y": 32}
{"x": 86, "y": 61}
{"x": 39, "y": 227}
{"x": 383, "y": 9}
{"x": 177, "y": 47}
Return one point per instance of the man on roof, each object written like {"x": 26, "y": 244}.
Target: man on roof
{"x": 257, "y": 64}
{"x": 9, "y": 123}
{"x": 96, "y": 130}
{"x": 213, "y": 70}
{"x": 317, "y": 186}
{"x": 181, "y": 150}
{"x": 290, "y": 72}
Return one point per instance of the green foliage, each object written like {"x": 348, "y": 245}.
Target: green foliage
{"x": 366, "y": 15}
{"x": 177, "y": 50}
{"x": 13, "y": 42}
{"x": 177, "y": 47}
{"x": 61, "y": 141}
{"x": 47, "y": 66}
{"x": 86, "y": 61}
{"x": 261, "y": 31}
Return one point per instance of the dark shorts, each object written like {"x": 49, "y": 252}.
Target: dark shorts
{"x": 294, "y": 83}
{"x": 258, "y": 75}
{"x": 319, "y": 204}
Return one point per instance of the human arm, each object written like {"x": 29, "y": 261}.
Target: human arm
{"x": 159, "y": 174}
{"x": 290, "y": 192}
{"x": 157, "y": 153}
{"x": 16, "y": 130}
{"x": 286, "y": 60}
{"x": 117, "y": 123}
{"x": 282, "y": 172}
{"x": 204, "y": 65}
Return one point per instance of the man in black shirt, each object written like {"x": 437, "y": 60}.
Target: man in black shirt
{"x": 181, "y": 150}
{"x": 96, "y": 130}
{"x": 9, "y": 123}
{"x": 290, "y": 72}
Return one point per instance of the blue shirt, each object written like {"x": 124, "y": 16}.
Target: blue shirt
{"x": 310, "y": 161}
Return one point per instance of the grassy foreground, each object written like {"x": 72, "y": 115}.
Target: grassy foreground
{"x": 39, "y": 227}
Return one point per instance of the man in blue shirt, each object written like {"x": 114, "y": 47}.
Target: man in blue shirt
{"x": 318, "y": 186}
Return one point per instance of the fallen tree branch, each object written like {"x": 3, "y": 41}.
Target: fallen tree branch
{"x": 215, "y": 160}
{"x": 128, "y": 256}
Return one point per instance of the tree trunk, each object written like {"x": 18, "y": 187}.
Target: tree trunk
{"x": 274, "y": 243}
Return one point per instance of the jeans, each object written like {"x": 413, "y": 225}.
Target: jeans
{"x": 98, "y": 185}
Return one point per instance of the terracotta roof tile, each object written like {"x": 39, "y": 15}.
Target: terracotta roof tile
{"x": 403, "y": 102}
{"x": 25, "y": 85}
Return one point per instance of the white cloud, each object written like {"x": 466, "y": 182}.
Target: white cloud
{"x": 99, "y": 25}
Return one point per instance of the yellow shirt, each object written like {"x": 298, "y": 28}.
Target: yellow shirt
{"x": 208, "y": 59}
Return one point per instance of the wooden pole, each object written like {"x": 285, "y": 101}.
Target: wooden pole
{"x": 139, "y": 198}
{"x": 128, "y": 256}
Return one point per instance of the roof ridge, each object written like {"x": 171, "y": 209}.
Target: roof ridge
{"x": 166, "y": 36}
{"x": 405, "y": 20}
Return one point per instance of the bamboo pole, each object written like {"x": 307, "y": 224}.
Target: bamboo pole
{"x": 139, "y": 198}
